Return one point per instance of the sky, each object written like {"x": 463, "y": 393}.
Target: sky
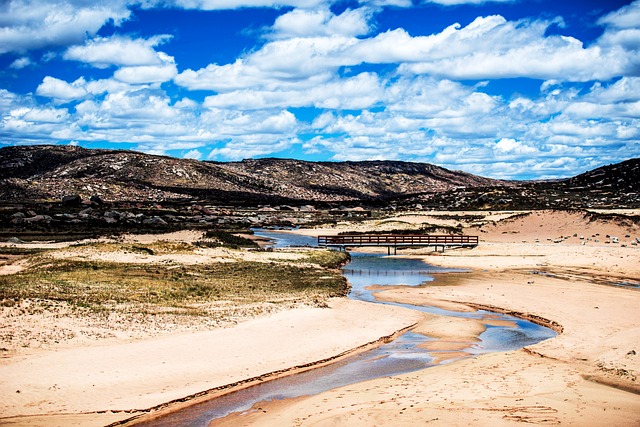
{"x": 513, "y": 89}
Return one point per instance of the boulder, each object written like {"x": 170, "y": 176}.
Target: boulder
{"x": 72, "y": 200}
{"x": 96, "y": 200}
{"x": 154, "y": 221}
{"x": 38, "y": 218}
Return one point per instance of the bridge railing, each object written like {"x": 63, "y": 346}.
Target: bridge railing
{"x": 397, "y": 240}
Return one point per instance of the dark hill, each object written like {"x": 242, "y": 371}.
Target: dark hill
{"x": 46, "y": 173}
{"x": 49, "y": 172}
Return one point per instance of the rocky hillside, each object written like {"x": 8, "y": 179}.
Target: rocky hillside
{"x": 50, "y": 172}
{"x": 47, "y": 173}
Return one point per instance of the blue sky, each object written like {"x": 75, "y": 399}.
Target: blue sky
{"x": 505, "y": 89}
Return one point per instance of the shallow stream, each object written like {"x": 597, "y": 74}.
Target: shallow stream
{"x": 402, "y": 355}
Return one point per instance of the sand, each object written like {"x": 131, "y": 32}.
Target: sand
{"x": 143, "y": 374}
{"x": 585, "y": 376}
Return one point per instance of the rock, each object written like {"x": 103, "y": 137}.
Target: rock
{"x": 154, "y": 221}
{"x": 37, "y": 218}
{"x": 15, "y": 240}
{"x": 18, "y": 215}
{"x": 72, "y": 200}
{"x": 96, "y": 200}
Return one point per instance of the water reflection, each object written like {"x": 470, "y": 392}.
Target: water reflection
{"x": 283, "y": 239}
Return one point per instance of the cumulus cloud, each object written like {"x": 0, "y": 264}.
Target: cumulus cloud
{"x": 102, "y": 52}
{"x": 284, "y": 64}
{"x": 34, "y": 24}
{"x": 623, "y": 30}
{"x": 61, "y": 90}
{"x": 492, "y": 47}
{"x": 322, "y": 22}
{"x": 488, "y": 48}
{"x": 148, "y": 73}
{"x": 510, "y": 145}
{"x": 359, "y": 92}
{"x": 193, "y": 154}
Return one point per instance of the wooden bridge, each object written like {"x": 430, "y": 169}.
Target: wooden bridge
{"x": 398, "y": 240}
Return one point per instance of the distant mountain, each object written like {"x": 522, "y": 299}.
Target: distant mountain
{"x": 46, "y": 173}
{"x": 49, "y": 172}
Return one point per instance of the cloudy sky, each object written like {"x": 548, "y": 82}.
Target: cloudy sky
{"x": 506, "y": 88}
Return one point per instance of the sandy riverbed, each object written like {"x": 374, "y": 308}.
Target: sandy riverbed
{"x": 586, "y": 376}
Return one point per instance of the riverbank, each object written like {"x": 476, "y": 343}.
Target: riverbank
{"x": 100, "y": 331}
{"x": 587, "y": 376}
{"x": 103, "y": 384}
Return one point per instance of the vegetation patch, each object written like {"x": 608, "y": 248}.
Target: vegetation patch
{"x": 108, "y": 286}
{"x": 217, "y": 238}
{"x": 328, "y": 259}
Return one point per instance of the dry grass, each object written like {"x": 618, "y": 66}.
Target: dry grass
{"x": 186, "y": 288}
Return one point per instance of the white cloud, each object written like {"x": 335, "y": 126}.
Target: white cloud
{"x": 459, "y": 2}
{"x": 147, "y": 73}
{"x": 322, "y": 22}
{"x": 33, "y": 24}
{"x": 21, "y": 63}
{"x": 193, "y": 154}
{"x": 510, "y": 145}
{"x": 489, "y": 47}
{"x": 97, "y": 87}
{"x": 361, "y": 91}
{"x": 117, "y": 50}
{"x": 61, "y": 90}
{"x": 495, "y": 48}
{"x": 283, "y": 64}
{"x": 625, "y": 17}
{"x": 238, "y": 4}
{"x": 49, "y": 115}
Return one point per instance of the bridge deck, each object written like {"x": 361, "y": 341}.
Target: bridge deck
{"x": 398, "y": 240}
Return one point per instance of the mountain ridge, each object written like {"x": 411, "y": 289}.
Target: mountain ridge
{"x": 49, "y": 172}
{"x": 120, "y": 175}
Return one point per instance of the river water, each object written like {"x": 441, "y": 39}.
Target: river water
{"x": 402, "y": 355}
